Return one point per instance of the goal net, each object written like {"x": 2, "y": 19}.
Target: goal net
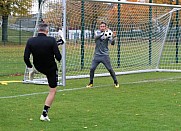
{"x": 147, "y": 35}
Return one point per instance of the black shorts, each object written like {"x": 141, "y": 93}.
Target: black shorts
{"x": 52, "y": 78}
{"x": 51, "y": 74}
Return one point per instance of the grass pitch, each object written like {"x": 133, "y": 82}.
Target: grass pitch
{"x": 144, "y": 102}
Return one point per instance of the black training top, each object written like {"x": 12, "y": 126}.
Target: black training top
{"x": 44, "y": 50}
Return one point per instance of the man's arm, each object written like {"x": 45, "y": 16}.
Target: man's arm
{"x": 56, "y": 51}
{"x": 98, "y": 35}
{"x": 27, "y": 53}
{"x": 112, "y": 39}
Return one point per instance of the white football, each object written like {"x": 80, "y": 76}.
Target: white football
{"x": 108, "y": 33}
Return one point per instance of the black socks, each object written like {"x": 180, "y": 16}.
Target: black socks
{"x": 116, "y": 82}
{"x": 91, "y": 82}
{"x": 45, "y": 110}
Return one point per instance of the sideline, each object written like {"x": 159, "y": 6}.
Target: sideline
{"x": 80, "y": 88}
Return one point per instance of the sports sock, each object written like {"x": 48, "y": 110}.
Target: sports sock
{"x": 45, "y": 110}
{"x": 91, "y": 82}
{"x": 116, "y": 82}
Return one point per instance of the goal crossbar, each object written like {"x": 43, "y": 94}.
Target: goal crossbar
{"x": 134, "y": 3}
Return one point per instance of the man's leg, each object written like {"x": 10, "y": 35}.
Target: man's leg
{"x": 94, "y": 65}
{"x": 50, "y": 97}
{"x": 107, "y": 64}
{"x": 52, "y": 80}
{"x": 48, "y": 103}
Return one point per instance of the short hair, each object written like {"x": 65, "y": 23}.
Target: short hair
{"x": 43, "y": 27}
{"x": 102, "y": 22}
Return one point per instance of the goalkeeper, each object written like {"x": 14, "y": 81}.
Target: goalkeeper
{"x": 44, "y": 50}
{"x": 101, "y": 54}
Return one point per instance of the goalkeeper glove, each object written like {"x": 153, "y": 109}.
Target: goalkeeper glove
{"x": 102, "y": 33}
{"x": 113, "y": 42}
{"x": 31, "y": 72}
{"x": 60, "y": 33}
{"x": 60, "y": 42}
{"x": 102, "y": 36}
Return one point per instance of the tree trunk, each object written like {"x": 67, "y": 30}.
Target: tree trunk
{"x": 4, "y": 28}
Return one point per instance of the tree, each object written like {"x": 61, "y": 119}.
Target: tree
{"x": 91, "y": 13}
{"x": 15, "y": 8}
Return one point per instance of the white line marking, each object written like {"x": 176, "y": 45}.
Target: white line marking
{"x": 73, "y": 89}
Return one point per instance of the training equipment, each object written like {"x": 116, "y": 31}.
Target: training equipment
{"x": 147, "y": 36}
{"x": 42, "y": 118}
{"x": 108, "y": 34}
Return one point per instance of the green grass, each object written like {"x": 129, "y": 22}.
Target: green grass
{"x": 144, "y": 102}
{"x": 16, "y": 36}
{"x": 11, "y": 60}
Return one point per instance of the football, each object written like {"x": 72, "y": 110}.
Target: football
{"x": 108, "y": 33}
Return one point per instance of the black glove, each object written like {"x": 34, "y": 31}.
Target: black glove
{"x": 60, "y": 42}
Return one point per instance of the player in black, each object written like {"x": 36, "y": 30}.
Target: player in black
{"x": 44, "y": 50}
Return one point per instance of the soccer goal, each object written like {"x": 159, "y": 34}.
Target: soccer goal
{"x": 53, "y": 13}
{"x": 147, "y": 36}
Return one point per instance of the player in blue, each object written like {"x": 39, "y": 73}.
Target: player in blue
{"x": 101, "y": 54}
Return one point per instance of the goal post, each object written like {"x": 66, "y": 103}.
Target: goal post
{"x": 147, "y": 35}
